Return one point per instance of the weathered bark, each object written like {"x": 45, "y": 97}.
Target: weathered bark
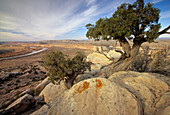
{"x": 70, "y": 80}
{"x": 125, "y": 46}
{"x": 129, "y": 54}
{"x": 164, "y": 31}
{"x": 124, "y": 64}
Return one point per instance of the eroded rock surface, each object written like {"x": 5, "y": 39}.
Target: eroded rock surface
{"x": 41, "y": 86}
{"x": 20, "y": 105}
{"x": 82, "y": 77}
{"x": 112, "y": 54}
{"x": 53, "y": 90}
{"x": 163, "y": 105}
{"x": 147, "y": 88}
{"x": 42, "y": 111}
{"x": 97, "y": 96}
{"x": 98, "y": 58}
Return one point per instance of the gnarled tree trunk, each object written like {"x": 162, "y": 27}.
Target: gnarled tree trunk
{"x": 129, "y": 54}
{"x": 127, "y": 57}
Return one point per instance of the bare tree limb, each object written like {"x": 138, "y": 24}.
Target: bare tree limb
{"x": 164, "y": 31}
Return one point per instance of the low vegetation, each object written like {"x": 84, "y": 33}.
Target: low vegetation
{"x": 157, "y": 62}
{"x": 60, "y": 67}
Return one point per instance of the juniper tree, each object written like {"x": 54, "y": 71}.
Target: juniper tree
{"x": 60, "y": 67}
{"x": 137, "y": 22}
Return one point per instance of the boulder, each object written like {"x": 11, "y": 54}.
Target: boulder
{"x": 147, "y": 88}
{"x": 25, "y": 92}
{"x": 112, "y": 54}
{"x": 39, "y": 100}
{"x": 20, "y": 105}
{"x": 95, "y": 48}
{"x": 105, "y": 48}
{"x": 163, "y": 105}
{"x": 42, "y": 111}
{"x": 97, "y": 96}
{"x": 100, "y": 49}
{"x": 41, "y": 86}
{"x": 98, "y": 58}
{"x": 100, "y": 74}
{"x": 92, "y": 72}
{"x": 82, "y": 77}
{"x": 53, "y": 90}
{"x": 96, "y": 66}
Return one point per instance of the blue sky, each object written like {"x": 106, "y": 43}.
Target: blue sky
{"x": 33, "y": 20}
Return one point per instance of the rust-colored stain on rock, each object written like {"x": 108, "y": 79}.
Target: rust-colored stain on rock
{"x": 84, "y": 87}
{"x": 98, "y": 83}
{"x": 99, "y": 74}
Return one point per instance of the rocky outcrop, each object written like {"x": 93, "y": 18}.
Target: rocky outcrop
{"x": 95, "y": 68}
{"x": 98, "y": 58}
{"x": 101, "y": 48}
{"x": 163, "y": 105}
{"x": 144, "y": 86}
{"x": 82, "y": 77}
{"x": 112, "y": 54}
{"x": 53, "y": 90}
{"x": 97, "y": 96}
{"x": 95, "y": 48}
{"x": 42, "y": 111}
{"x": 124, "y": 92}
{"x": 41, "y": 86}
{"x": 105, "y": 48}
{"x": 20, "y": 105}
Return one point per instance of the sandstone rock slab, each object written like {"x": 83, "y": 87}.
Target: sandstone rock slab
{"x": 147, "y": 88}
{"x": 95, "y": 48}
{"x": 42, "y": 111}
{"x": 163, "y": 105}
{"x": 20, "y": 105}
{"x": 53, "y": 90}
{"x": 97, "y": 96}
{"x": 112, "y": 54}
{"x": 98, "y": 58}
{"x": 41, "y": 86}
{"x": 82, "y": 77}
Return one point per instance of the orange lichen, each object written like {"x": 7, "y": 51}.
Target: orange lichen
{"x": 98, "y": 83}
{"x": 99, "y": 74}
{"x": 84, "y": 87}
{"x": 61, "y": 78}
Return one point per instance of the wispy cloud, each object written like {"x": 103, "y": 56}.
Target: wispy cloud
{"x": 49, "y": 19}
{"x": 155, "y": 1}
{"x": 90, "y": 2}
{"x": 165, "y": 14}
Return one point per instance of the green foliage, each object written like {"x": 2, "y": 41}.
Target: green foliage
{"x": 130, "y": 21}
{"x": 32, "y": 92}
{"x": 62, "y": 68}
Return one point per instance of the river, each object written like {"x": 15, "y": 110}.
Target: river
{"x": 19, "y": 56}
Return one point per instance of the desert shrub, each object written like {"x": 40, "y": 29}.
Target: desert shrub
{"x": 60, "y": 67}
{"x": 160, "y": 63}
{"x": 142, "y": 60}
{"x": 155, "y": 62}
{"x": 32, "y": 92}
